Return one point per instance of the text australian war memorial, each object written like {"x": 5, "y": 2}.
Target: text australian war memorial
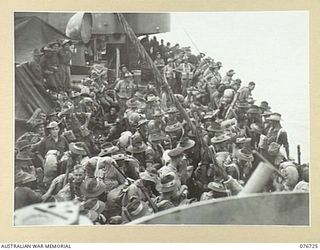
{"x": 114, "y": 125}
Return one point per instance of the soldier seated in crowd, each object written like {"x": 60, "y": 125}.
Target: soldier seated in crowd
{"x": 124, "y": 152}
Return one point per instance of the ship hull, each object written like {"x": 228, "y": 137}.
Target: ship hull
{"x": 257, "y": 209}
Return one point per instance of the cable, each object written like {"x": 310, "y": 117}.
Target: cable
{"x": 194, "y": 44}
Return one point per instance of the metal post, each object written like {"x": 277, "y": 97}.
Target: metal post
{"x": 299, "y": 154}
{"x": 117, "y": 63}
{"x": 95, "y": 53}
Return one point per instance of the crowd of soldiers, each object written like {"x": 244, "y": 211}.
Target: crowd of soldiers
{"x": 125, "y": 151}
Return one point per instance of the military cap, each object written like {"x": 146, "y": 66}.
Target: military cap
{"x": 173, "y": 127}
{"x": 176, "y": 152}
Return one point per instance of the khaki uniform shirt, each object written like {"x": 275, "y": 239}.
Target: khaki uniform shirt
{"x": 125, "y": 89}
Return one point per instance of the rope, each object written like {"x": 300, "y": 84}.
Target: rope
{"x": 187, "y": 33}
{"x": 194, "y": 44}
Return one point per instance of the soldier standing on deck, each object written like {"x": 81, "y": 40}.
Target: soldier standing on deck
{"x": 277, "y": 134}
{"x": 64, "y": 55}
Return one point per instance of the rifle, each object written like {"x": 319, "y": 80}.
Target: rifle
{"x": 153, "y": 206}
{"x": 72, "y": 196}
{"x": 270, "y": 165}
{"x": 68, "y": 165}
{"x": 235, "y": 98}
{"x": 209, "y": 151}
{"x": 125, "y": 211}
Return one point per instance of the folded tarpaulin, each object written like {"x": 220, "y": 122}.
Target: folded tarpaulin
{"x": 29, "y": 94}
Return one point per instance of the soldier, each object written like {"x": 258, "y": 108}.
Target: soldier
{"x": 54, "y": 141}
{"x": 221, "y": 142}
{"x": 175, "y": 132}
{"x": 172, "y": 193}
{"x": 138, "y": 149}
{"x": 25, "y": 190}
{"x": 127, "y": 164}
{"x": 186, "y": 70}
{"x": 212, "y": 75}
{"x": 227, "y": 79}
{"x": 155, "y": 150}
{"x": 152, "y": 104}
{"x": 64, "y": 55}
{"x": 50, "y": 67}
{"x": 177, "y": 165}
{"x": 34, "y": 65}
{"x": 159, "y": 62}
{"x": 125, "y": 89}
{"x": 277, "y": 134}
{"x": 135, "y": 209}
{"x": 159, "y": 123}
{"x": 246, "y": 92}
{"x": 169, "y": 74}
{"x": 107, "y": 172}
{"x": 144, "y": 188}
{"x": 244, "y": 159}
{"x": 217, "y": 190}
{"x": 69, "y": 190}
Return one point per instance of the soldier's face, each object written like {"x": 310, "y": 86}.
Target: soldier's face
{"x": 178, "y": 160}
{"x": 55, "y": 47}
{"x": 113, "y": 111}
{"x": 78, "y": 175}
{"x": 41, "y": 130}
{"x": 290, "y": 177}
{"x": 222, "y": 147}
{"x": 274, "y": 123}
{"x": 189, "y": 151}
{"x": 251, "y": 87}
{"x": 55, "y": 131}
{"x": 148, "y": 183}
{"x": 236, "y": 87}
